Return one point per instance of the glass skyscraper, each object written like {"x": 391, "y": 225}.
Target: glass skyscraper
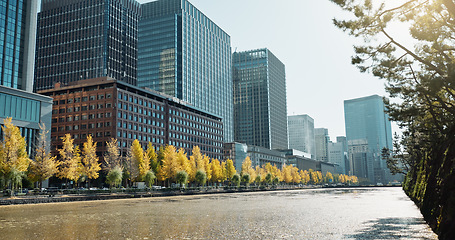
{"x": 260, "y": 115}
{"x": 17, "y": 41}
{"x": 184, "y": 54}
{"x": 301, "y": 134}
{"x": 368, "y": 130}
{"x": 82, "y": 39}
{"x": 321, "y": 142}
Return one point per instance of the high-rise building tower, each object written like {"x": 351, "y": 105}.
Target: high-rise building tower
{"x": 368, "y": 125}
{"x": 81, "y": 39}
{"x": 17, "y": 52}
{"x": 260, "y": 117}
{"x": 338, "y": 155}
{"x": 321, "y": 141}
{"x": 184, "y": 54}
{"x": 301, "y": 133}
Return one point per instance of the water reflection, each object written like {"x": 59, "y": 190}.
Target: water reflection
{"x": 308, "y": 214}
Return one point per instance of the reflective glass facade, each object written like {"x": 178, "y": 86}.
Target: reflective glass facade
{"x": 83, "y": 39}
{"x": 321, "y": 142}
{"x": 260, "y": 115}
{"x": 17, "y": 47}
{"x": 16, "y": 32}
{"x": 366, "y": 121}
{"x": 19, "y": 108}
{"x": 184, "y": 54}
{"x": 301, "y": 133}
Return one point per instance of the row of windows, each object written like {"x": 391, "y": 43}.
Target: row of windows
{"x": 83, "y": 99}
{"x": 194, "y": 118}
{"x": 139, "y": 136}
{"x": 82, "y": 108}
{"x": 140, "y": 128}
{"x": 81, "y": 127}
{"x": 193, "y": 125}
{"x": 139, "y": 101}
{"x": 136, "y": 118}
{"x": 81, "y": 117}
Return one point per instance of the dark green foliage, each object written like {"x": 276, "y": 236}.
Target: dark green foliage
{"x": 422, "y": 76}
{"x": 268, "y": 178}
{"x": 246, "y": 179}
{"x": 114, "y": 176}
{"x": 149, "y": 178}
{"x": 257, "y": 180}
{"x": 201, "y": 177}
{"x": 181, "y": 177}
{"x": 235, "y": 180}
{"x": 276, "y": 180}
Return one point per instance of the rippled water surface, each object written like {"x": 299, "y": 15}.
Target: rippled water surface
{"x": 375, "y": 213}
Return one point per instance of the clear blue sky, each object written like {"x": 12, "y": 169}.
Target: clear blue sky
{"x": 316, "y": 54}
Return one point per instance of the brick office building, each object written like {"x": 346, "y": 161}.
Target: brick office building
{"x": 107, "y": 108}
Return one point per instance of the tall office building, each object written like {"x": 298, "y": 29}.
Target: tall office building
{"x": 321, "y": 142}
{"x": 17, "y": 51}
{"x": 367, "y": 122}
{"x": 260, "y": 117}
{"x": 301, "y": 133}
{"x": 339, "y": 156}
{"x": 184, "y": 54}
{"x": 81, "y": 39}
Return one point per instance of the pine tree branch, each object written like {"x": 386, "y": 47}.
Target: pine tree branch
{"x": 429, "y": 64}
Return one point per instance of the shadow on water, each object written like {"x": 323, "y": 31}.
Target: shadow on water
{"x": 392, "y": 228}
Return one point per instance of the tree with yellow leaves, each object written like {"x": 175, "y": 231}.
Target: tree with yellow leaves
{"x": 152, "y": 157}
{"x": 276, "y": 173}
{"x": 295, "y": 175}
{"x": 183, "y": 162}
{"x": 287, "y": 176}
{"x": 305, "y": 176}
{"x": 260, "y": 171}
{"x": 320, "y": 177}
{"x": 207, "y": 168}
{"x": 313, "y": 176}
{"x": 328, "y": 177}
{"x": 14, "y": 159}
{"x": 112, "y": 156}
{"x": 70, "y": 160}
{"x": 223, "y": 171}
{"x": 230, "y": 169}
{"x": 169, "y": 164}
{"x": 195, "y": 162}
{"x": 140, "y": 159}
{"x": 90, "y": 162}
{"x": 246, "y": 165}
{"x": 268, "y": 168}
{"x": 217, "y": 172}
{"x": 248, "y": 169}
{"x": 44, "y": 165}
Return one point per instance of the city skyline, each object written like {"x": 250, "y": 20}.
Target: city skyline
{"x": 251, "y": 35}
{"x": 303, "y": 40}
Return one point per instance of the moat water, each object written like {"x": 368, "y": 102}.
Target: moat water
{"x": 354, "y": 213}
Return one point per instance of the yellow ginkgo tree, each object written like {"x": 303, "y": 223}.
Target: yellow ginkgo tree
{"x": 14, "y": 159}
{"x": 44, "y": 165}
{"x": 90, "y": 162}
{"x": 70, "y": 160}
